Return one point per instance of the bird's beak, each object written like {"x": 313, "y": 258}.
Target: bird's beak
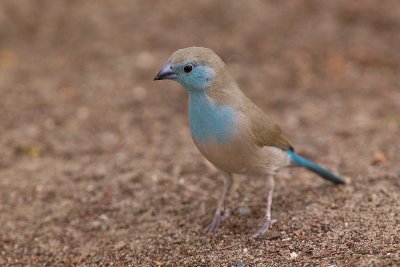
{"x": 166, "y": 73}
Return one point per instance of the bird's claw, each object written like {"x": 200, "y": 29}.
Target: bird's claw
{"x": 264, "y": 228}
{"x": 216, "y": 221}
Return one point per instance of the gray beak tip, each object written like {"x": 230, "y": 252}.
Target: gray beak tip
{"x": 166, "y": 73}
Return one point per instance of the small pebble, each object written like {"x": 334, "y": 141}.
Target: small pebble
{"x": 120, "y": 245}
{"x": 379, "y": 158}
{"x": 96, "y": 224}
{"x": 244, "y": 210}
{"x": 103, "y": 217}
{"x": 293, "y": 255}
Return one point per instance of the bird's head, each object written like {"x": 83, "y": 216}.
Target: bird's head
{"x": 195, "y": 68}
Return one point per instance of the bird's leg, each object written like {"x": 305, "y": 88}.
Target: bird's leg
{"x": 220, "y": 212}
{"x": 267, "y": 218}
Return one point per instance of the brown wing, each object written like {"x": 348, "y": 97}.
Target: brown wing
{"x": 264, "y": 131}
{"x": 261, "y": 128}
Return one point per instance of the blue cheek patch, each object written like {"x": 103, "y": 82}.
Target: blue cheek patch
{"x": 197, "y": 80}
{"x": 209, "y": 121}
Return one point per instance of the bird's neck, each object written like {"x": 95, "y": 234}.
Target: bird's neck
{"x": 209, "y": 121}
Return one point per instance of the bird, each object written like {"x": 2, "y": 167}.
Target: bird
{"x": 230, "y": 131}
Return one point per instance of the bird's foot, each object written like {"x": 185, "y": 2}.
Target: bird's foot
{"x": 264, "y": 228}
{"x": 216, "y": 221}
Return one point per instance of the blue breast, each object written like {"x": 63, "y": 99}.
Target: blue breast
{"x": 208, "y": 120}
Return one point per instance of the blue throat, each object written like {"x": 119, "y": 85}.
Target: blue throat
{"x": 208, "y": 120}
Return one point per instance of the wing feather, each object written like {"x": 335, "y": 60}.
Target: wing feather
{"x": 264, "y": 131}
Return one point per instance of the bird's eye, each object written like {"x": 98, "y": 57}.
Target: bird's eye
{"x": 187, "y": 68}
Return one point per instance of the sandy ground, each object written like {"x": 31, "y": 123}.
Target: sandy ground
{"x": 97, "y": 166}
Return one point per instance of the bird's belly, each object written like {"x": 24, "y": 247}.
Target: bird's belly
{"x": 236, "y": 156}
{"x": 243, "y": 157}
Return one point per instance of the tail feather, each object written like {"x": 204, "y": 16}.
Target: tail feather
{"x": 324, "y": 173}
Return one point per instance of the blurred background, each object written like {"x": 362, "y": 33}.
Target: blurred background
{"x": 96, "y": 161}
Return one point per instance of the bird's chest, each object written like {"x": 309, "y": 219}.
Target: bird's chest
{"x": 217, "y": 134}
{"x": 210, "y": 122}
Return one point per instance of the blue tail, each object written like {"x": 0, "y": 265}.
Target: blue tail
{"x": 324, "y": 173}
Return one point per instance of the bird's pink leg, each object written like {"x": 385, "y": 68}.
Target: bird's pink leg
{"x": 220, "y": 212}
{"x": 267, "y": 218}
